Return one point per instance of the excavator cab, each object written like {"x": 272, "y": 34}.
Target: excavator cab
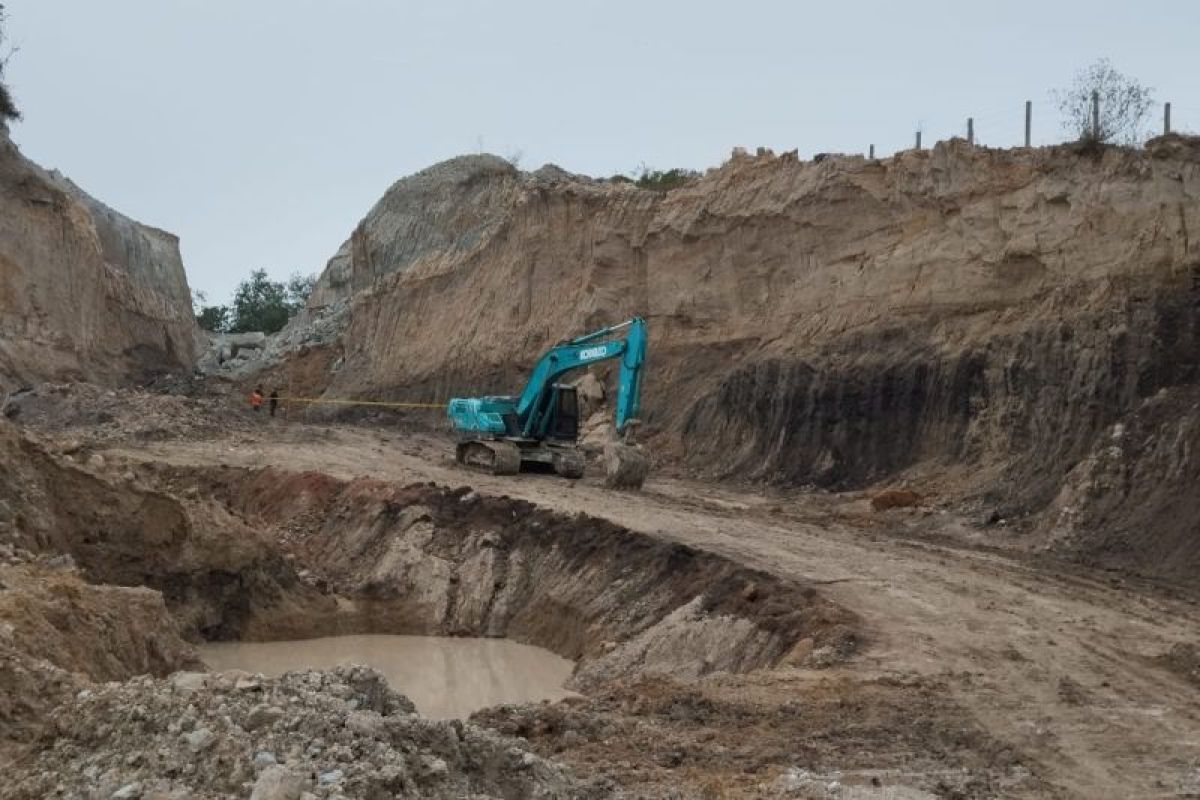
{"x": 562, "y": 423}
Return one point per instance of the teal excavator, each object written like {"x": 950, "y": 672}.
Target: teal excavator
{"x": 540, "y": 426}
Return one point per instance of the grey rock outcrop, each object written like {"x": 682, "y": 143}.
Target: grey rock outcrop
{"x": 85, "y": 292}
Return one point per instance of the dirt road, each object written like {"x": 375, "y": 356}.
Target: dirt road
{"x": 1061, "y": 668}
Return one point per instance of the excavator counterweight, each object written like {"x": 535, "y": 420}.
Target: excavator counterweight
{"x": 541, "y": 424}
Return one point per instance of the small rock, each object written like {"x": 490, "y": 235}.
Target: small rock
{"x": 262, "y": 716}
{"x": 366, "y": 723}
{"x": 264, "y": 759}
{"x": 330, "y": 778}
{"x": 186, "y": 683}
{"x": 278, "y": 783}
{"x": 130, "y": 791}
{"x": 199, "y": 739}
{"x": 249, "y": 683}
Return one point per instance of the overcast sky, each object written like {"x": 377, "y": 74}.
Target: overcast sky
{"x": 261, "y": 131}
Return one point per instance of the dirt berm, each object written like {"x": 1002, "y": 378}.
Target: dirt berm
{"x": 973, "y": 318}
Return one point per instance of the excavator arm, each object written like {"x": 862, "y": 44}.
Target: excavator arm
{"x": 591, "y": 348}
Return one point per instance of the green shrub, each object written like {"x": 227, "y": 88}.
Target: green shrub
{"x": 665, "y": 180}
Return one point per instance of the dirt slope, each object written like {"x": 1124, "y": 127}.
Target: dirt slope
{"x": 975, "y": 318}
{"x": 85, "y": 293}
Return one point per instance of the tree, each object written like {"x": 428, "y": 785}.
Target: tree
{"x": 1124, "y": 105}
{"x": 299, "y": 287}
{"x": 8, "y": 106}
{"x": 260, "y": 304}
{"x": 210, "y": 318}
{"x": 214, "y": 319}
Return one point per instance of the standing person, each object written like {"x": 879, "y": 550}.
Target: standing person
{"x": 274, "y": 401}
{"x": 256, "y": 398}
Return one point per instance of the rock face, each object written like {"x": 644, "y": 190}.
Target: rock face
{"x": 978, "y": 313}
{"x": 85, "y": 293}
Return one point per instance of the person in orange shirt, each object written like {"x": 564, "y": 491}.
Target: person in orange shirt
{"x": 256, "y": 398}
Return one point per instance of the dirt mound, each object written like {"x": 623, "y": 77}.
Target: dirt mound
{"x": 880, "y": 739}
{"x": 340, "y": 733}
{"x": 58, "y": 632}
{"x": 895, "y": 498}
{"x": 85, "y": 293}
{"x": 87, "y": 416}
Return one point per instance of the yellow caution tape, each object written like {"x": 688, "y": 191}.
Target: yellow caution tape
{"x": 359, "y": 402}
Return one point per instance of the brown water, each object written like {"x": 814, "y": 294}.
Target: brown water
{"x": 444, "y": 677}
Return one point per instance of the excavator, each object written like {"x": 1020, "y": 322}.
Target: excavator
{"x": 540, "y": 426}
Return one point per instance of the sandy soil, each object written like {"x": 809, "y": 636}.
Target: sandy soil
{"x": 1063, "y": 667}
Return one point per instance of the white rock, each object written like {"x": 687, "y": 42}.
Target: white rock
{"x": 130, "y": 791}
{"x": 278, "y": 783}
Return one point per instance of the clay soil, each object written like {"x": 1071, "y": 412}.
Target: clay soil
{"x": 981, "y": 668}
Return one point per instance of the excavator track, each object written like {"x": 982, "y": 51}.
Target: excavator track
{"x": 498, "y": 458}
{"x": 569, "y": 464}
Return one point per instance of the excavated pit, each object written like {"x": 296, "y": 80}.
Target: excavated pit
{"x": 261, "y": 555}
{"x": 372, "y": 557}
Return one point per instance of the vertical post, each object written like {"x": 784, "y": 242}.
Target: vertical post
{"x": 1095, "y": 115}
{"x": 1028, "y": 121}
{"x": 1167, "y": 118}
{"x": 872, "y": 155}
{"x": 918, "y": 140}
{"x": 970, "y": 130}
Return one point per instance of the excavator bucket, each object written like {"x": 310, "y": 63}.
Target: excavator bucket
{"x": 625, "y": 466}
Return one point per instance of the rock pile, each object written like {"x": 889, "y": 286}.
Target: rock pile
{"x": 341, "y": 733}
{"x": 98, "y": 416}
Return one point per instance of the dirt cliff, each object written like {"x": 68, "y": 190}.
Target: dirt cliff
{"x": 977, "y": 318}
{"x": 85, "y": 293}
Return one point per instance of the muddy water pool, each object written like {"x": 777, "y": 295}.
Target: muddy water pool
{"x": 444, "y": 677}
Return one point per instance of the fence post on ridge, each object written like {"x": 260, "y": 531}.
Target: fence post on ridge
{"x": 1028, "y": 122}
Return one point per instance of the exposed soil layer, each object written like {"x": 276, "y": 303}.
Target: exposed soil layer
{"x": 213, "y": 570}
